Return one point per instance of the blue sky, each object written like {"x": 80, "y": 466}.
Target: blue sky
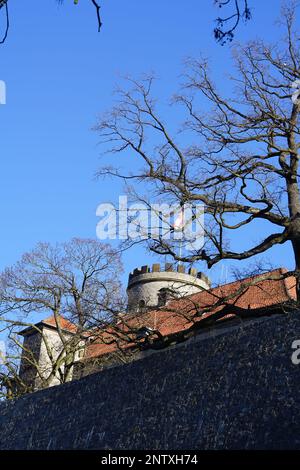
{"x": 60, "y": 75}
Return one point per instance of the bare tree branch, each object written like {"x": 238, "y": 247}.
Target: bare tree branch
{"x": 4, "y": 3}
{"x": 222, "y": 35}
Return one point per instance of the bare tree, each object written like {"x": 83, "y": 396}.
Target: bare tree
{"x": 243, "y": 159}
{"x": 77, "y": 285}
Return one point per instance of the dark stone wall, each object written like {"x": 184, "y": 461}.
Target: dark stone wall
{"x": 237, "y": 390}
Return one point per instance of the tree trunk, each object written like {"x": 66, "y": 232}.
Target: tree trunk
{"x": 294, "y": 211}
{"x": 296, "y": 248}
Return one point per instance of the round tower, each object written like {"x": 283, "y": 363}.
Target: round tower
{"x": 153, "y": 287}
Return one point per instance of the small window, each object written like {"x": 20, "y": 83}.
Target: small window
{"x": 81, "y": 353}
{"x": 164, "y": 295}
{"x": 142, "y": 306}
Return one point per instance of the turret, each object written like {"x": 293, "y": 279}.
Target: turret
{"x": 153, "y": 286}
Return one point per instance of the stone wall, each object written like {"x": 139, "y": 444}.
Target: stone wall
{"x": 227, "y": 389}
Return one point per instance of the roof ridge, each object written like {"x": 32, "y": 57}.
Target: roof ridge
{"x": 248, "y": 277}
{"x": 212, "y": 289}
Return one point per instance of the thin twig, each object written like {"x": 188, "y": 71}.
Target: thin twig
{"x": 97, "y": 6}
{"x": 7, "y": 24}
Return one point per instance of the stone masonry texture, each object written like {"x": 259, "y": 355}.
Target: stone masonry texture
{"x": 236, "y": 390}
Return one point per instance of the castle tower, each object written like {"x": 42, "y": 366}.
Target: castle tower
{"x": 153, "y": 287}
{"x": 35, "y": 360}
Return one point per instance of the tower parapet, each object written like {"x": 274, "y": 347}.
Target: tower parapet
{"x": 151, "y": 286}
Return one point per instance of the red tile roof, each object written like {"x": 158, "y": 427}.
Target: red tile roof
{"x": 63, "y": 323}
{"x": 249, "y": 293}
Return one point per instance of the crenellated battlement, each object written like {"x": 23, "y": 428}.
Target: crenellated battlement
{"x": 167, "y": 268}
